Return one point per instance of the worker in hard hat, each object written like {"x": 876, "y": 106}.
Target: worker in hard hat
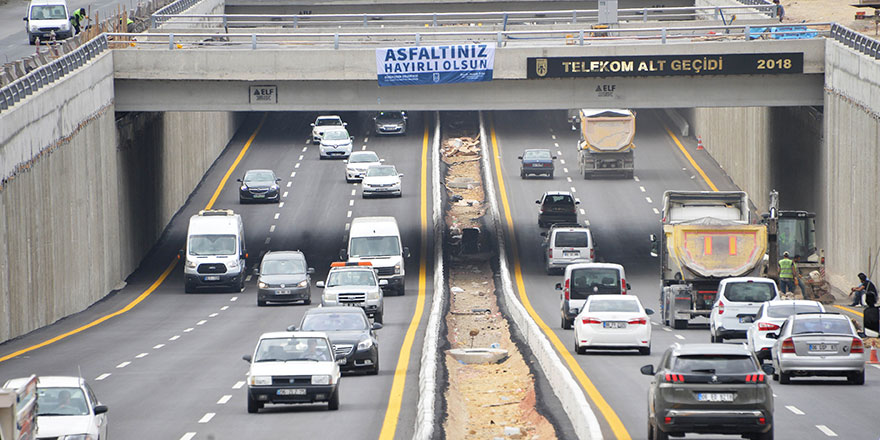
{"x": 787, "y": 269}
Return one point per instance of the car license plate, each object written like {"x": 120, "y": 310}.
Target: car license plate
{"x": 715, "y": 397}
{"x": 350, "y": 304}
{"x": 282, "y": 292}
{"x": 292, "y": 392}
{"x": 212, "y": 278}
{"x": 746, "y": 319}
{"x": 614, "y": 324}
{"x": 259, "y": 196}
{"x": 823, "y": 347}
{"x": 571, "y": 254}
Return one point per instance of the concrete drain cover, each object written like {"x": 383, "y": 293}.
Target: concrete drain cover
{"x": 478, "y": 355}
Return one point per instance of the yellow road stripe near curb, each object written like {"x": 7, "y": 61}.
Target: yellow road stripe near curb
{"x": 690, "y": 159}
{"x": 610, "y": 416}
{"x": 156, "y": 283}
{"x": 855, "y": 312}
{"x": 395, "y": 399}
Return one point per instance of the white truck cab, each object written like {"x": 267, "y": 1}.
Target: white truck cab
{"x": 45, "y": 17}
{"x": 377, "y": 240}
{"x": 215, "y": 251}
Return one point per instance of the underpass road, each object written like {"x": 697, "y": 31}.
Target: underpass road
{"x": 171, "y": 366}
{"x": 622, "y": 213}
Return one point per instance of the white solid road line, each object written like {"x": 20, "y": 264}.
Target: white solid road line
{"x": 124, "y": 364}
{"x": 188, "y": 330}
{"x": 207, "y": 418}
{"x": 679, "y": 336}
{"x": 202, "y": 322}
{"x": 188, "y": 436}
{"x": 174, "y": 338}
{"x": 103, "y": 376}
{"x": 142, "y": 355}
{"x": 238, "y": 385}
{"x": 794, "y": 409}
{"x": 877, "y": 366}
{"x": 224, "y": 399}
{"x": 158, "y": 346}
{"x": 825, "y": 430}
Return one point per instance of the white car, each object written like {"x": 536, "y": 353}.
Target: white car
{"x": 335, "y": 142}
{"x": 611, "y": 322}
{"x": 292, "y": 367}
{"x": 736, "y": 305}
{"x": 66, "y": 408}
{"x": 322, "y": 123}
{"x": 381, "y": 180}
{"x": 770, "y": 317}
{"x": 357, "y": 164}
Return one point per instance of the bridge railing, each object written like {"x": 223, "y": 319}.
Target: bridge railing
{"x": 48, "y": 73}
{"x": 175, "y": 8}
{"x": 171, "y": 15}
{"x": 860, "y": 42}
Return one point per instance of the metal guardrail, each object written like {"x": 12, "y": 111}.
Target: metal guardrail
{"x": 46, "y": 74}
{"x": 435, "y": 19}
{"x": 176, "y": 7}
{"x": 771, "y": 12}
{"x": 860, "y": 42}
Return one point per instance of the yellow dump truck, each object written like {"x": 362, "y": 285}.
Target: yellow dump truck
{"x": 606, "y": 144}
{"x": 707, "y": 236}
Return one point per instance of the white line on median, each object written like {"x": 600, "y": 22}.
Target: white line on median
{"x": 825, "y": 430}
{"x": 224, "y": 399}
{"x": 679, "y": 336}
{"x": 202, "y": 322}
{"x": 103, "y": 376}
{"x": 123, "y": 365}
{"x": 142, "y": 355}
{"x": 207, "y": 418}
{"x": 158, "y": 346}
{"x": 238, "y": 385}
{"x": 174, "y": 338}
{"x": 188, "y": 436}
{"x": 794, "y": 409}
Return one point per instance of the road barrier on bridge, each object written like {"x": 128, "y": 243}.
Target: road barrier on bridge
{"x": 860, "y": 42}
{"x": 171, "y": 14}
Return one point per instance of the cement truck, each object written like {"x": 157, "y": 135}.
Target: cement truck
{"x": 606, "y": 144}
{"x": 707, "y": 236}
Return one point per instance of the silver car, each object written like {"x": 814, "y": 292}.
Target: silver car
{"x": 357, "y": 164}
{"x": 390, "y": 122}
{"x": 818, "y": 344}
{"x": 356, "y": 285}
{"x": 335, "y": 143}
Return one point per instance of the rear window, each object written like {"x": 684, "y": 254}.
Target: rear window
{"x": 586, "y": 282}
{"x": 786, "y": 310}
{"x": 572, "y": 239}
{"x": 613, "y": 306}
{"x": 820, "y": 325}
{"x": 749, "y": 292}
{"x": 714, "y": 364}
{"x": 537, "y": 154}
{"x": 558, "y": 200}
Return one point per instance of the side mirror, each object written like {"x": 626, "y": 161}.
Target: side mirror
{"x": 376, "y": 326}
{"x": 655, "y": 246}
{"x": 319, "y": 284}
{"x": 772, "y": 336}
{"x": 383, "y": 283}
{"x": 277, "y": 180}
{"x": 351, "y": 138}
{"x": 310, "y": 271}
{"x": 345, "y": 124}
{"x": 647, "y": 370}
{"x": 291, "y": 328}
{"x": 768, "y": 369}
{"x": 649, "y": 311}
{"x": 25, "y": 19}
{"x": 629, "y": 286}
{"x": 381, "y": 160}
{"x": 400, "y": 175}
{"x": 406, "y": 252}
{"x": 554, "y": 157}
{"x": 238, "y": 180}
{"x": 100, "y": 409}
{"x": 312, "y": 124}
{"x": 558, "y": 286}
{"x": 343, "y": 254}
{"x": 538, "y": 202}
{"x": 247, "y": 358}
{"x": 577, "y": 201}
{"x": 519, "y": 157}
{"x": 256, "y": 271}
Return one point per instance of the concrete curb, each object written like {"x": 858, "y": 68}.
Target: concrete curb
{"x": 567, "y": 390}
{"x": 426, "y": 417}
{"x": 678, "y": 120}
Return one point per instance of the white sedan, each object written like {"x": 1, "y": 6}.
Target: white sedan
{"x": 66, "y": 408}
{"x": 770, "y": 317}
{"x": 611, "y": 322}
{"x": 357, "y": 163}
{"x": 381, "y": 180}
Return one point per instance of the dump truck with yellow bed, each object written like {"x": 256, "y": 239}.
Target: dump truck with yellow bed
{"x": 606, "y": 143}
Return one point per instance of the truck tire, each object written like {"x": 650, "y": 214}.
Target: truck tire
{"x": 680, "y": 324}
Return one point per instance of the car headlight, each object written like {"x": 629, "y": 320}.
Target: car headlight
{"x": 244, "y": 187}
{"x": 232, "y": 264}
{"x": 260, "y": 380}
{"x": 65, "y": 26}
{"x": 365, "y": 343}
{"x": 274, "y": 187}
{"x": 303, "y": 283}
{"x": 397, "y": 268}
{"x": 321, "y": 379}
{"x": 329, "y": 297}
{"x": 373, "y": 295}
{"x": 78, "y": 437}
{"x": 34, "y": 28}
{"x": 262, "y": 285}
{"x": 190, "y": 263}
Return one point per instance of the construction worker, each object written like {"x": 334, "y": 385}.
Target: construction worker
{"x": 787, "y": 269}
{"x": 866, "y": 288}
{"x": 77, "y": 18}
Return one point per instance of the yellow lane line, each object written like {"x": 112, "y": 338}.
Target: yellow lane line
{"x": 395, "y": 399}
{"x": 855, "y": 312}
{"x": 153, "y": 286}
{"x": 611, "y": 417}
{"x": 690, "y": 159}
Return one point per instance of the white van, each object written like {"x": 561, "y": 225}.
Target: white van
{"x": 215, "y": 251}
{"x": 377, "y": 240}
{"x": 585, "y": 279}
{"x": 47, "y": 16}
{"x": 736, "y": 305}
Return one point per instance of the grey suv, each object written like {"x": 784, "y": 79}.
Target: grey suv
{"x": 709, "y": 389}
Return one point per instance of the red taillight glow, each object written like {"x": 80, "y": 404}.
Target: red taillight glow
{"x": 667, "y": 420}
{"x": 674, "y": 378}
{"x": 591, "y": 321}
{"x": 641, "y": 321}
{"x": 767, "y": 326}
{"x": 592, "y": 254}
{"x": 549, "y": 252}
{"x": 755, "y": 378}
{"x": 788, "y": 346}
{"x": 565, "y": 290}
{"x": 857, "y": 346}
{"x": 762, "y": 421}
{"x": 720, "y": 307}
{"x": 623, "y": 286}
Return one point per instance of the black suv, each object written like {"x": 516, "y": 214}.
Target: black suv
{"x": 557, "y": 207}
{"x": 709, "y": 389}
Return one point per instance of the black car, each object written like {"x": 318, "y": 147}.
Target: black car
{"x": 284, "y": 277}
{"x": 259, "y": 185}
{"x": 709, "y": 389}
{"x": 390, "y": 123}
{"x": 352, "y": 335}
{"x": 536, "y": 161}
{"x": 557, "y": 207}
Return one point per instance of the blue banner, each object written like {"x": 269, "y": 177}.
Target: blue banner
{"x": 453, "y": 63}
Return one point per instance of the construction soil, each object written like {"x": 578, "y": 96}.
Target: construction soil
{"x": 839, "y": 11}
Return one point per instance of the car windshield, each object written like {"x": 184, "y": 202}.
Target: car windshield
{"x": 537, "y": 155}
{"x": 61, "y": 401}
{"x": 333, "y": 322}
{"x": 48, "y": 12}
{"x": 212, "y": 244}
{"x": 293, "y": 349}
{"x": 259, "y": 176}
{"x": 786, "y": 310}
{"x": 390, "y": 116}
{"x": 351, "y": 278}
{"x": 335, "y": 135}
{"x": 328, "y": 121}
{"x": 821, "y": 325}
{"x": 381, "y": 171}
{"x": 714, "y": 364}
{"x": 363, "y": 157}
{"x": 374, "y": 246}
{"x": 571, "y": 239}
{"x": 559, "y": 199}
{"x": 749, "y": 292}
{"x": 585, "y": 282}
{"x": 613, "y": 306}
{"x": 283, "y": 267}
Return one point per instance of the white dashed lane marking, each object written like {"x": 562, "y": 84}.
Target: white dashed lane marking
{"x": 213, "y": 315}
{"x": 234, "y": 298}
{"x": 666, "y": 329}
{"x": 794, "y": 410}
{"x": 202, "y": 322}
{"x": 679, "y": 337}
{"x": 556, "y": 144}
{"x": 297, "y": 165}
{"x": 188, "y": 436}
{"x": 284, "y": 195}
{"x": 293, "y": 174}
{"x": 238, "y": 385}
{"x": 636, "y": 178}
{"x": 300, "y": 157}
{"x": 268, "y": 239}
{"x": 825, "y": 430}
{"x": 189, "y": 330}
{"x": 583, "y": 212}
{"x": 103, "y": 376}
{"x": 289, "y": 183}
{"x": 656, "y": 211}
{"x": 277, "y": 214}
{"x": 158, "y": 346}
{"x": 349, "y": 214}
{"x": 366, "y": 139}
{"x": 347, "y": 226}
{"x": 142, "y": 355}
{"x": 569, "y": 179}
{"x": 174, "y": 338}
{"x": 642, "y": 188}
{"x": 363, "y": 147}
{"x": 649, "y": 200}
{"x": 565, "y": 170}
{"x": 224, "y": 399}
{"x": 304, "y": 150}
{"x": 351, "y": 203}
{"x": 558, "y": 153}
{"x": 224, "y": 308}
{"x": 207, "y": 418}
{"x": 124, "y": 364}
{"x": 553, "y": 136}
{"x": 573, "y": 189}
{"x": 281, "y": 205}
{"x": 353, "y": 192}
{"x": 247, "y": 279}
{"x": 271, "y": 229}
{"x": 562, "y": 161}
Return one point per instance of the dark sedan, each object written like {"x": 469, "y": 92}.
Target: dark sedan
{"x": 536, "y": 161}
{"x": 258, "y": 186}
{"x": 284, "y": 277}
{"x": 352, "y": 335}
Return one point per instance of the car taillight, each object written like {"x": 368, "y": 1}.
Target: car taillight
{"x": 641, "y": 321}
{"x": 674, "y": 378}
{"x": 622, "y": 286}
{"x": 720, "y": 307}
{"x": 565, "y": 291}
{"x": 767, "y": 326}
{"x": 592, "y": 254}
{"x": 755, "y": 378}
{"x": 857, "y": 346}
{"x": 591, "y": 321}
{"x": 788, "y": 346}
{"x": 549, "y": 252}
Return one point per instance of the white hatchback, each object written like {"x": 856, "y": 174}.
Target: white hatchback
{"x": 736, "y": 305}
{"x": 613, "y": 322}
{"x": 66, "y": 408}
{"x": 770, "y": 317}
{"x": 323, "y": 123}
